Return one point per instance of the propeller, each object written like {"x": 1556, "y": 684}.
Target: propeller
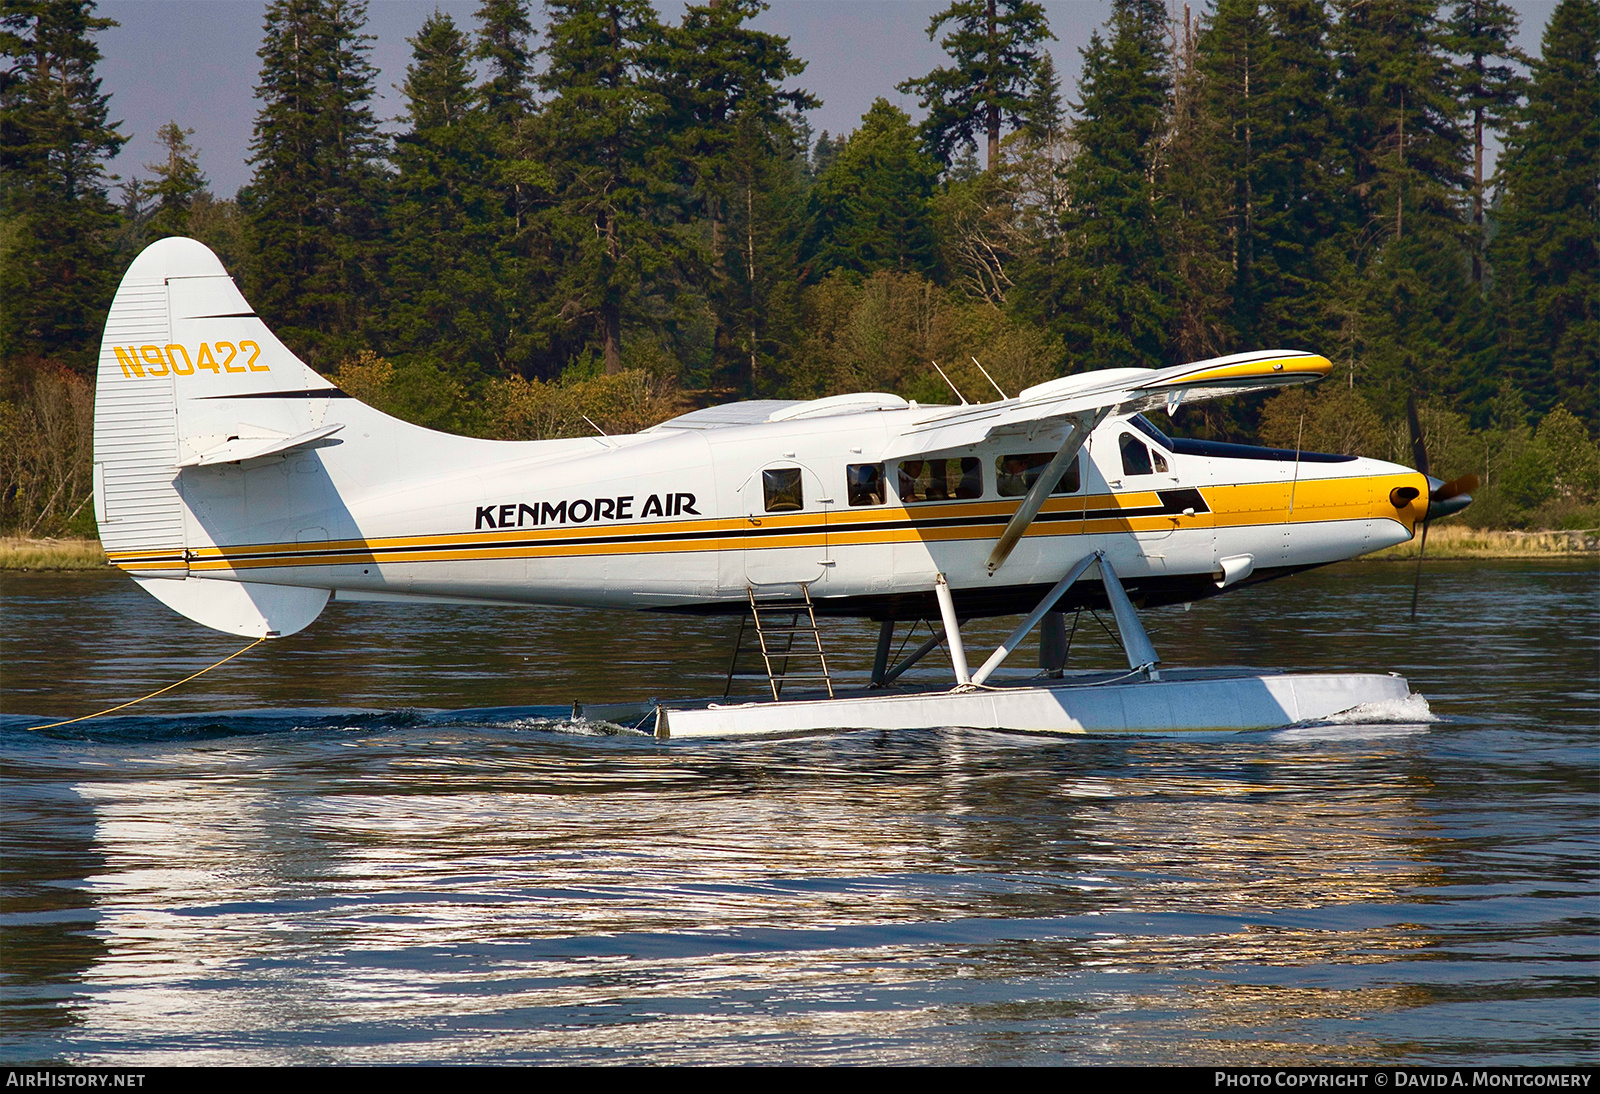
{"x": 1444, "y": 498}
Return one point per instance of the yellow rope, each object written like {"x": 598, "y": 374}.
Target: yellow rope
{"x": 153, "y": 694}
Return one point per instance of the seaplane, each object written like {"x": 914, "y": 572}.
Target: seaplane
{"x": 245, "y": 491}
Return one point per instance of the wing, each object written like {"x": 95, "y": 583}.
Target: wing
{"x": 1109, "y": 392}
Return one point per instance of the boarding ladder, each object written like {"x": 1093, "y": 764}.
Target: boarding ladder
{"x": 783, "y": 631}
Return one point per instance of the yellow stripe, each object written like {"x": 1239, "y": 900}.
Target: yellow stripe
{"x": 1232, "y": 505}
{"x": 1298, "y": 365}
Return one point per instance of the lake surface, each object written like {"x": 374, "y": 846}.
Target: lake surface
{"x": 381, "y": 841}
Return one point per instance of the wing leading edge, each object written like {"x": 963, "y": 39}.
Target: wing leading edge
{"x": 1115, "y": 392}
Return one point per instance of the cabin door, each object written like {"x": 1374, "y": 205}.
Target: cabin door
{"x": 786, "y": 525}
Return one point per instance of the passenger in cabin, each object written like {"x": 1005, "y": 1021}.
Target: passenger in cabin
{"x": 1012, "y": 478}
{"x": 971, "y": 484}
{"x": 910, "y": 472}
{"x": 941, "y": 479}
{"x": 864, "y": 483}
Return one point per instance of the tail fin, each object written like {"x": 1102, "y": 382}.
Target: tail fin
{"x": 189, "y": 376}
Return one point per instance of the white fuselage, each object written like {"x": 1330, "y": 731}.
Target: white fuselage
{"x": 240, "y": 487}
{"x": 679, "y": 517}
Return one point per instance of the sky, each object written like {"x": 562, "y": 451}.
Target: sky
{"x": 194, "y": 62}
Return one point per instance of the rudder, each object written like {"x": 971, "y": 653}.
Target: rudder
{"x": 181, "y": 348}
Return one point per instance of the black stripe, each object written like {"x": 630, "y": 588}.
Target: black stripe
{"x": 226, "y": 315}
{"x": 1176, "y": 501}
{"x": 308, "y": 393}
{"x": 1173, "y": 502}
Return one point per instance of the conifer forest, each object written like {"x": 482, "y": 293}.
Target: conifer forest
{"x": 612, "y": 210}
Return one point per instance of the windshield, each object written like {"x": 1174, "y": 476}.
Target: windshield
{"x": 1145, "y": 426}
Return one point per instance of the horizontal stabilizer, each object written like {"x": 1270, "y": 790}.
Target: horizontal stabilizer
{"x": 249, "y": 609}
{"x": 236, "y": 449}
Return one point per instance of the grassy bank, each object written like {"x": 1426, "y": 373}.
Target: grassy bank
{"x": 51, "y": 554}
{"x": 1458, "y": 541}
{"x": 1448, "y": 542}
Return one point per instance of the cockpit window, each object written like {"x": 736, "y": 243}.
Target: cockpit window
{"x": 1135, "y": 456}
{"x": 780, "y": 488}
{"x": 1139, "y": 460}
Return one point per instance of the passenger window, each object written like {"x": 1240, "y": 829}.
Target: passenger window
{"x": 781, "y": 488}
{"x": 1159, "y": 460}
{"x": 1135, "y": 456}
{"x": 1015, "y": 475}
{"x": 940, "y": 480}
{"x": 864, "y": 483}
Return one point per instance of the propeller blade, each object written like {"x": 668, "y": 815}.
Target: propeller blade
{"x": 1450, "y": 497}
{"x": 1416, "y": 583}
{"x": 1443, "y": 499}
{"x": 1466, "y": 484}
{"x": 1419, "y": 454}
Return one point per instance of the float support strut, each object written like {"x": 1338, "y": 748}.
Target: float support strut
{"x": 952, "y": 629}
{"x": 1142, "y": 655}
{"x": 1013, "y": 639}
{"x": 1053, "y": 643}
{"x": 1136, "y": 643}
{"x": 880, "y": 658}
{"x": 914, "y": 656}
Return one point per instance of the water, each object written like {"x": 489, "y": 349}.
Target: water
{"x": 381, "y": 841}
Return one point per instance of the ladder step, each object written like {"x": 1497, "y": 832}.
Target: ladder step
{"x": 776, "y": 625}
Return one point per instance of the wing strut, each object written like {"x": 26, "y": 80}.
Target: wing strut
{"x": 1079, "y": 426}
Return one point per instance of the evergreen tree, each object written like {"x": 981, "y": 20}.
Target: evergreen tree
{"x": 503, "y": 35}
{"x": 603, "y": 131}
{"x": 506, "y": 98}
{"x": 518, "y": 171}
{"x": 759, "y": 267}
{"x": 1546, "y": 252}
{"x": 823, "y": 153}
{"x": 736, "y": 145}
{"x": 870, "y": 206}
{"x": 1407, "y": 274}
{"x": 177, "y": 184}
{"x": 995, "y": 45}
{"x": 315, "y": 202}
{"x": 1267, "y": 78}
{"x": 1109, "y": 296}
{"x": 1301, "y": 195}
{"x": 444, "y": 284}
{"x": 1481, "y": 32}
{"x": 1045, "y": 116}
{"x": 1195, "y": 209}
{"x": 1400, "y": 115}
{"x": 56, "y": 221}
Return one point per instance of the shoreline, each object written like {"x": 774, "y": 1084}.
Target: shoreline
{"x": 1458, "y": 542}
{"x": 19, "y": 554}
